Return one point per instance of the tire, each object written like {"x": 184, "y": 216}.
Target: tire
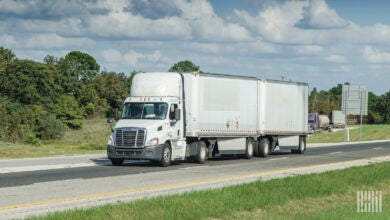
{"x": 264, "y": 147}
{"x": 249, "y": 148}
{"x": 201, "y": 155}
{"x": 166, "y": 155}
{"x": 302, "y": 145}
{"x": 116, "y": 162}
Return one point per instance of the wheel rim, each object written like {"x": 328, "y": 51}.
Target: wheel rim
{"x": 202, "y": 153}
{"x": 250, "y": 148}
{"x": 167, "y": 154}
{"x": 266, "y": 148}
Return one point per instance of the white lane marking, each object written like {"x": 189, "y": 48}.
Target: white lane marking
{"x": 194, "y": 167}
{"x": 337, "y": 152}
{"x": 61, "y": 181}
{"x": 48, "y": 167}
{"x": 378, "y": 148}
{"x": 282, "y": 158}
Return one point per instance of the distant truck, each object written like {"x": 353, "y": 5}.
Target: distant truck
{"x": 337, "y": 119}
{"x": 314, "y": 122}
{"x": 318, "y": 122}
{"x": 176, "y": 116}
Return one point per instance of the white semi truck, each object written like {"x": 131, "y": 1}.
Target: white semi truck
{"x": 176, "y": 116}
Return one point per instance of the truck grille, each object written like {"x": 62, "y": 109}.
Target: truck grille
{"x": 133, "y": 137}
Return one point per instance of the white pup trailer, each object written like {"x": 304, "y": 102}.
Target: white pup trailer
{"x": 177, "y": 116}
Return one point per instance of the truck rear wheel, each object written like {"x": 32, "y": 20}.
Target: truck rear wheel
{"x": 264, "y": 147}
{"x": 116, "y": 162}
{"x": 302, "y": 145}
{"x": 201, "y": 155}
{"x": 166, "y": 155}
{"x": 249, "y": 148}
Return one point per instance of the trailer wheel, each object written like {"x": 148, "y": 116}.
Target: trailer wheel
{"x": 249, "y": 148}
{"x": 116, "y": 162}
{"x": 166, "y": 155}
{"x": 264, "y": 147}
{"x": 302, "y": 145}
{"x": 201, "y": 155}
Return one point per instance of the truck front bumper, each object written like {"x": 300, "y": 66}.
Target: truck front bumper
{"x": 146, "y": 153}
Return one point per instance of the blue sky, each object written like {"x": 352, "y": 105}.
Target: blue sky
{"x": 316, "y": 41}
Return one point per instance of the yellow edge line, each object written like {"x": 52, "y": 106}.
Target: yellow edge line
{"x": 182, "y": 184}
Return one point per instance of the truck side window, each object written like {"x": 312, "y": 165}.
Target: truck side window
{"x": 172, "y": 111}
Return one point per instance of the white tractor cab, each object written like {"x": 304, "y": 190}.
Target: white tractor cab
{"x": 150, "y": 126}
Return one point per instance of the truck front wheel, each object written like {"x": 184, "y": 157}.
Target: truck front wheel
{"x": 166, "y": 155}
{"x": 264, "y": 147}
{"x": 201, "y": 155}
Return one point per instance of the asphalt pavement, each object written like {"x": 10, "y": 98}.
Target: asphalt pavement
{"x": 37, "y": 186}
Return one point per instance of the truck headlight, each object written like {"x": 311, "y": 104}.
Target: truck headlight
{"x": 152, "y": 142}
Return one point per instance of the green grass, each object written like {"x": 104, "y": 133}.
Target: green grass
{"x": 370, "y": 132}
{"x": 330, "y": 195}
{"x": 92, "y": 138}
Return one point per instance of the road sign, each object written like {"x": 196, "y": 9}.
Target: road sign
{"x": 355, "y": 100}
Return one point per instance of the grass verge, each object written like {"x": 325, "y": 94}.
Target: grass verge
{"x": 92, "y": 138}
{"x": 330, "y": 195}
{"x": 370, "y": 132}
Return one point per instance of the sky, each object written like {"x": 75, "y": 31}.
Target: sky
{"x": 321, "y": 42}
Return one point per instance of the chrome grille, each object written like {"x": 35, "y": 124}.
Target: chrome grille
{"x": 132, "y": 137}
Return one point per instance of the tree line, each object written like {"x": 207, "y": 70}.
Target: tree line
{"x": 40, "y": 100}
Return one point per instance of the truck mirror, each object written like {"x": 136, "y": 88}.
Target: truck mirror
{"x": 116, "y": 114}
{"x": 177, "y": 114}
{"x": 109, "y": 121}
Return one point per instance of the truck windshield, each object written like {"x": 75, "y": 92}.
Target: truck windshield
{"x": 145, "y": 110}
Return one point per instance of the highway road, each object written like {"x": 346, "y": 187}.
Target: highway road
{"x": 37, "y": 186}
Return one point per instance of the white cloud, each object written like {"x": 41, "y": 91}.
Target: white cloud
{"x": 156, "y": 56}
{"x": 8, "y": 40}
{"x": 375, "y": 56}
{"x": 54, "y": 41}
{"x": 133, "y": 58}
{"x": 318, "y": 15}
{"x": 112, "y": 56}
{"x": 309, "y": 49}
{"x": 275, "y": 23}
{"x": 336, "y": 59}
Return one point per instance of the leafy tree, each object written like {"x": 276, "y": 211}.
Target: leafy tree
{"x": 111, "y": 86}
{"x": 6, "y": 55}
{"x": 336, "y": 96}
{"x": 50, "y": 128}
{"x": 50, "y": 60}
{"x": 383, "y": 107}
{"x": 69, "y": 83}
{"x": 184, "y": 66}
{"x": 30, "y": 82}
{"x": 82, "y": 65}
{"x": 88, "y": 94}
{"x": 68, "y": 111}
